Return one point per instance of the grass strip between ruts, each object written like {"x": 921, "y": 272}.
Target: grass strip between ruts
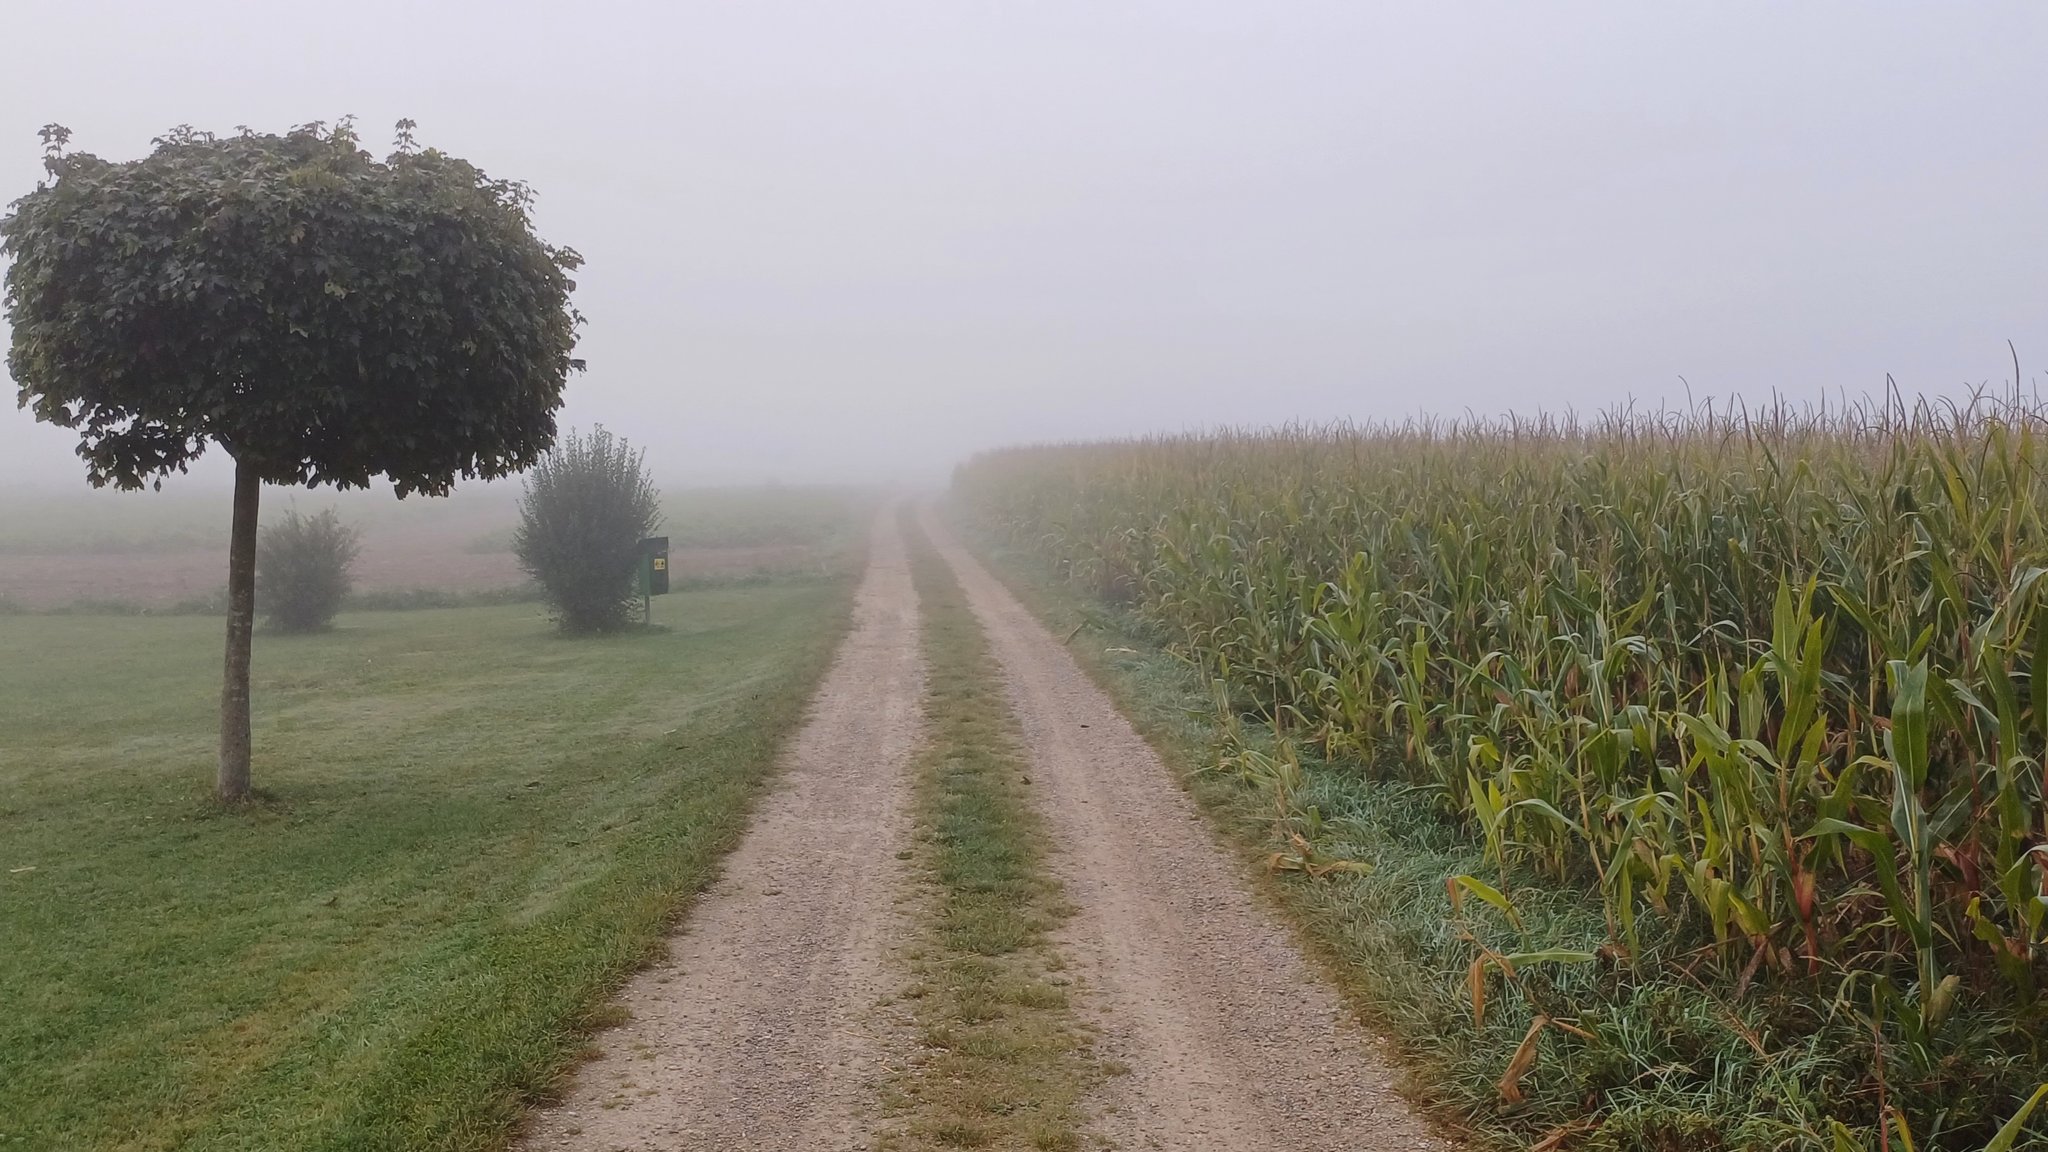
{"x": 1002, "y": 1062}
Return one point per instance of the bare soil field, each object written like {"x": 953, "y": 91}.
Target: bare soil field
{"x": 391, "y": 560}
{"x": 153, "y": 551}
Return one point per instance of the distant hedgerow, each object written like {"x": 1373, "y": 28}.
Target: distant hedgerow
{"x": 303, "y": 568}
{"x": 586, "y": 507}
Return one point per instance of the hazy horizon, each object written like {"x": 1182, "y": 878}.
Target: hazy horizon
{"x": 858, "y": 243}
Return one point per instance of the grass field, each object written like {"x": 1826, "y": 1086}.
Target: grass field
{"x": 471, "y": 830}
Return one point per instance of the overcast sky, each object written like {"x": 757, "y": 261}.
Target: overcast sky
{"x": 857, "y": 240}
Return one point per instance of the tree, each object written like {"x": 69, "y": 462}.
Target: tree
{"x": 302, "y": 570}
{"x": 586, "y": 508}
{"x": 321, "y": 316}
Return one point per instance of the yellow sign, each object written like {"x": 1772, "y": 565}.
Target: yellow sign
{"x": 661, "y": 563}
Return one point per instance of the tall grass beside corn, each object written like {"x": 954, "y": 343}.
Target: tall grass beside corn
{"x": 1760, "y": 686}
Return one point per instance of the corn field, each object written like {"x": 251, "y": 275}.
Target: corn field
{"x": 1767, "y": 680}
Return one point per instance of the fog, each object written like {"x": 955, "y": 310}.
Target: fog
{"x": 857, "y": 241}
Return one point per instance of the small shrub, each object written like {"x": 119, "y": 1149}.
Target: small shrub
{"x": 586, "y": 507}
{"x": 302, "y": 570}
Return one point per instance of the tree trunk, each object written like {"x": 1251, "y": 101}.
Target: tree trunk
{"x": 233, "y": 782}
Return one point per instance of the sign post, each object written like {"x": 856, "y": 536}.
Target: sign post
{"x": 653, "y": 574}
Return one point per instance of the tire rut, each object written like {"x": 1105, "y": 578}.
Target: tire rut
{"x": 1233, "y": 1042}
{"x": 760, "y": 1030}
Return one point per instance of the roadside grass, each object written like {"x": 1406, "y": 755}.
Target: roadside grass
{"x": 1003, "y": 1061}
{"x": 1675, "y": 1064}
{"x": 470, "y": 832}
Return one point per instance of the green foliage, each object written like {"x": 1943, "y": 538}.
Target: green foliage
{"x": 588, "y": 504}
{"x": 323, "y": 316}
{"x": 303, "y": 570}
{"x": 1761, "y": 689}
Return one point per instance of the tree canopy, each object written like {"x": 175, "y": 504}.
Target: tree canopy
{"x": 323, "y": 316}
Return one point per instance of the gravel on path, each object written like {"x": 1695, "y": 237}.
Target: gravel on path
{"x": 1233, "y": 1041}
{"x": 760, "y": 1031}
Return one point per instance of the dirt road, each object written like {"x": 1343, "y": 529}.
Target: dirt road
{"x": 1233, "y": 1042}
{"x": 760, "y": 1032}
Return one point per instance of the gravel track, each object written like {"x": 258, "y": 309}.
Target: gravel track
{"x": 761, "y": 1031}
{"x": 1233, "y": 1042}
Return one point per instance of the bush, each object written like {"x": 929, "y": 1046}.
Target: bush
{"x": 586, "y": 507}
{"x": 302, "y": 570}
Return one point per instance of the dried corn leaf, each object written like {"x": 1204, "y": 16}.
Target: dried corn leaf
{"x": 1520, "y": 1063}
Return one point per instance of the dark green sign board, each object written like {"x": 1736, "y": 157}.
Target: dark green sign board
{"x": 654, "y": 566}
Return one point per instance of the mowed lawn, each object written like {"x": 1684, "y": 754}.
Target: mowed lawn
{"x": 473, "y": 829}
